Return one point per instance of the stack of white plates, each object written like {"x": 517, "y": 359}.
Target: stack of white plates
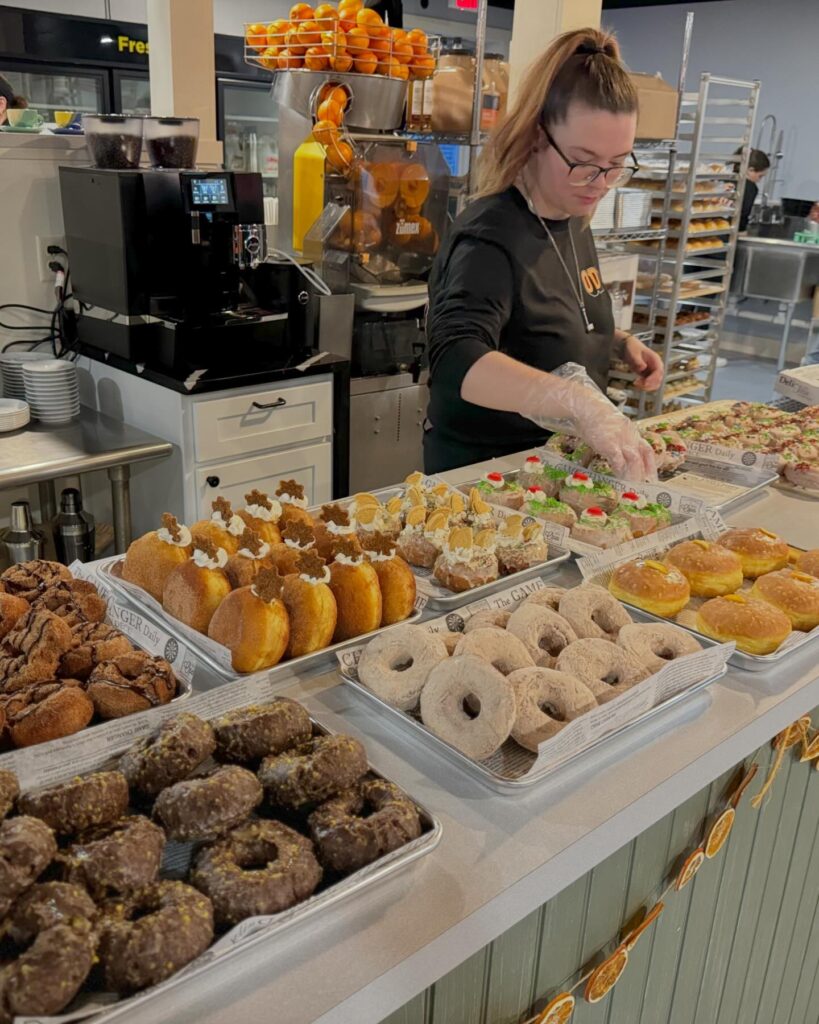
{"x": 11, "y": 367}
{"x": 13, "y": 414}
{"x": 52, "y": 390}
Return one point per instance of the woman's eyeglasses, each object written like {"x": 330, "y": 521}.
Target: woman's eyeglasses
{"x": 585, "y": 174}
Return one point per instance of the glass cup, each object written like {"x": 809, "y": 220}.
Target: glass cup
{"x": 27, "y": 117}
{"x": 63, "y": 118}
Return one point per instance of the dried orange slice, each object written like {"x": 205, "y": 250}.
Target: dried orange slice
{"x": 693, "y": 862}
{"x": 604, "y": 977}
{"x": 720, "y": 831}
{"x": 559, "y": 1010}
{"x": 631, "y": 939}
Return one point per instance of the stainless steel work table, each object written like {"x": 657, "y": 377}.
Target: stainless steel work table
{"x": 39, "y": 454}
{"x": 500, "y": 857}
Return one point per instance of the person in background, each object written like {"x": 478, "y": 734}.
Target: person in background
{"x": 758, "y": 164}
{"x": 8, "y": 100}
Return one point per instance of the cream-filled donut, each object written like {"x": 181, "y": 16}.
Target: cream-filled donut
{"x": 546, "y": 700}
{"x": 544, "y": 632}
{"x": 501, "y": 649}
{"x": 395, "y": 665}
{"x": 605, "y": 668}
{"x": 593, "y": 613}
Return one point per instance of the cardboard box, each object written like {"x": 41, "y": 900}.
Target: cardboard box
{"x": 452, "y": 87}
{"x": 619, "y": 274}
{"x": 801, "y": 384}
{"x": 657, "y": 118}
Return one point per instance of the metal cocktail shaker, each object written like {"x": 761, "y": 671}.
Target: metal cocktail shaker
{"x": 23, "y": 540}
{"x": 73, "y": 529}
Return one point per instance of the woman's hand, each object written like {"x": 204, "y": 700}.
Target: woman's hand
{"x": 644, "y": 361}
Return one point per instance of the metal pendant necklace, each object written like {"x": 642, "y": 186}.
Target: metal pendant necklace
{"x": 577, "y": 289}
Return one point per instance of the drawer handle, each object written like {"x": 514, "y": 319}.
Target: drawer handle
{"x": 269, "y": 405}
{"x": 212, "y": 481}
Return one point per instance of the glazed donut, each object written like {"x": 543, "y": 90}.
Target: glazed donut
{"x": 116, "y": 859}
{"x": 206, "y": 807}
{"x": 132, "y": 682}
{"x": 156, "y": 762}
{"x": 655, "y": 645}
{"x": 793, "y": 592}
{"x": 260, "y": 868}
{"x": 313, "y": 771}
{"x": 46, "y": 904}
{"x": 80, "y": 803}
{"x": 806, "y": 561}
{"x": 9, "y": 791}
{"x": 502, "y": 649}
{"x": 464, "y": 683}
{"x": 756, "y": 626}
{"x": 395, "y": 665}
{"x": 153, "y": 934}
{"x": 543, "y": 632}
{"x": 29, "y": 579}
{"x": 366, "y": 822}
{"x": 546, "y": 700}
{"x": 47, "y": 711}
{"x": 593, "y": 613}
{"x": 249, "y": 734}
{"x": 27, "y": 847}
{"x": 31, "y": 652}
{"x": 711, "y": 570}
{"x": 94, "y": 642}
{"x": 547, "y": 597}
{"x": 487, "y": 617}
{"x": 604, "y": 667}
{"x": 11, "y": 609}
{"x": 75, "y": 601}
{"x": 759, "y": 550}
{"x": 653, "y": 586}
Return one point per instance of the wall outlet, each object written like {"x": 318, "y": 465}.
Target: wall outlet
{"x": 44, "y": 257}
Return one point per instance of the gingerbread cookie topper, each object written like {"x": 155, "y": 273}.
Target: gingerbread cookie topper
{"x": 299, "y": 533}
{"x": 268, "y": 584}
{"x": 209, "y": 548}
{"x": 310, "y": 563}
{"x": 250, "y": 541}
{"x": 347, "y": 547}
{"x": 334, "y": 513}
{"x": 380, "y": 544}
{"x": 223, "y": 507}
{"x": 291, "y": 488}
{"x": 171, "y": 525}
{"x": 258, "y": 498}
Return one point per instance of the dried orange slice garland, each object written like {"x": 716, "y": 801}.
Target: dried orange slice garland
{"x": 691, "y": 865}
{"x": 719, "y": 832}
{"x": 606, "y": 975}
{"x": 558, "y": 1011}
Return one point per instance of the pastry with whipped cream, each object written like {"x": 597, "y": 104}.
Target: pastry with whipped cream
{"x": 499, "y": 491}
{"x": 252, "y": 622}
{"x": 332, "y": 522}
{"x": 519, "y": 545}
{"x": 580, "y": 491}
{"x": 150, "y": 559}
{"x": 468, "y": 559}
{"x": 291, "y": 497}
{"x": 195, "y": 589}
{"x": 395, "y": 578}
{"x": 643, "y": 516}
{"x": 391, "y": 517}
{"x": 600, "y": 529}
{"x": 355, "y": 586}
{"x": 551, "y": 510}
{"x": 297, "y": 537}
{"x": 437, "y": 496}
{"x": 253, "y": 556}
{"x": 423, "y": 537}
{"x": 262, "y": 515}
{"x": 479, "y": 515}
{"x": 310, "y": 604}
{"x": 531, "y": 471}
{"x": 223, "y": 529}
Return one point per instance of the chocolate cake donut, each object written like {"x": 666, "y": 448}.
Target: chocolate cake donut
{"x": 362, "y": 824}
{"x": 132, "y": 682}
{"x": 75, "y": 601}
{"x": 46, "y": 904}
{"x": 115, "y": 859}
{"x": 207, "y": 807}
{"x": 261, "y": 867}
{"x": 46, "y": 711}
{"x": 80, "y": 803}
{"x": 313, "y": 771}
{"x": 27, "y": 847}
{"x": 9, "y": 791}
{"x": 249, "y": 734}
{"x": 32, "y": 650}
{"x": 156, "y": 762}
{"x": 94, "y": 642}
{"x": 29, "y": 579}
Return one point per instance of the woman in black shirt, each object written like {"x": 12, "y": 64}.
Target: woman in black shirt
{"x": 515, "y": 291}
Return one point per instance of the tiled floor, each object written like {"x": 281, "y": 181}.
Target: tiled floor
{"x": 745, "y": 378}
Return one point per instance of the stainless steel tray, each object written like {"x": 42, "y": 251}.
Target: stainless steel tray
{"x": 208, "y": 651}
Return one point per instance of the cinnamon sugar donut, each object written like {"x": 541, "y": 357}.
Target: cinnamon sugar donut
{"x": 115, "y": 859}
{"x": 260, "y": 868}
{"x": 251, "y": 733}
{"x": 156, "y": 762}
{"x": 11, "y": 609}
{"x": 46, "y": 904}
{"x": 94, "y": 642}
{"x": 654, "y": 645}
{"x": 604, "y": 667}
{"x": 502, "y": 649}
{"x": 544, "y": 632}
{"x": 396, "y": 664}
{"x": 46, "y": 711}
{"x": 593, "y": 613}
{"x": 27, "y": 847}
{"x": 33, "y": 649}
{"x": 487, "y": 617}
{"x": 314, "y": 771}
{"x": 206, "y": 807}
{"x": 547, "y": 597}
{"x": 80, "y": 803}
{"x": 132, "y": 682}
{"x": 29, "y": 579}
{"x": 75, "y": 601}
{"x": 9, "y": 791}
{"x": 546, "y": 700}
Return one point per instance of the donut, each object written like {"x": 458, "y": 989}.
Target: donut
{"x": 355, "y": 586}
{"x": 711, "y": 570}
{"x": 29, "y": 579}
{"x": 759, "y": 550}
{"x": 206, "y": 807}
{"x": 94, "y": 642}
{"x": 75, "y": 601}
{"x": 11, "y": 609}
{"x": 655, "y": 645}
{"x": 46, "y": 904}
{"x": 367, "y": 821}
{"x": 27, "y": 847}
{"x": 259, "y": 868}
{"x": 487, "y": 617}
{"x": 395, "y": 578}
{"x": 500, "y": 648}
{"x": 593, "y": 613}
{"x": 310, "y": 606}
{"x": 806, "y": 561}
{"x": 9, "y": 791}
{"x": 261, "y": 514}
{"x": 546, "y": 700}
{"x": 450, "y": 641}
{"x": 47, "y": 711}
{"x": 313, "y": 771}
{"x": 656, "y": 588}
{"x": 80, "y": 803}
{"x": 249, "y": 734}
{"x": 604, "y": 667}
{"x": 543, "y": 632}
{"x": 547, "y": 597}
{"x": 253, "y": 623}
{"x": 151, "y": 558}
{"x": 132, "y": 682}
{"x": 32, "y": 651}
{"x": 793, "y": 592}
{"x": 396, "y": 664}
{"x": 756, "y": 626}
{"x": 468, "y": 704}
{"x": 156, "y": 762}
{"x": 115, "y": 859}
{"x": 151, "y": 935}
{"x": 223, "y": 529}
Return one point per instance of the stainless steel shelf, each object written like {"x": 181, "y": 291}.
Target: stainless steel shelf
{"x": 627, "y": 234}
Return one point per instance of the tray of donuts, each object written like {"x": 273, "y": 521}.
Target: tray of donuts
{"x": 515, "y": 686}
{"x": 205, "y": 837}
{"x": 64, "y": 663}
{"x": 744, "y": 585}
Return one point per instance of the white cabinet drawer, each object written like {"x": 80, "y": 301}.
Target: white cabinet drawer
{"x": 311, "y": 465}
{"x": 255, "y": 422}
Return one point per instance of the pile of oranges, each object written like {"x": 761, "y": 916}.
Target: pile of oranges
{"x": 349, "y": 38}
{"x": 327, "y": 127}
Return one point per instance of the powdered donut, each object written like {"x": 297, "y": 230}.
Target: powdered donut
{"x": 501, "y": 649}
{"x": 454, "y": 686}
{"x": 396, "y": 664}
{"x": 488, "y": 617}
{"x": 603, "y": 666}
{"x": 544, "y": 632}
{"x": 546, "y": 700}
{"x": 548, "y": 597}
{"x": 593, "y": 612}
{"x": 451, "y": 641}
{"x": 654, "y": 646}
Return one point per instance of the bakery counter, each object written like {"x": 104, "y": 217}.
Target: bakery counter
{"x": 500, "y": 857}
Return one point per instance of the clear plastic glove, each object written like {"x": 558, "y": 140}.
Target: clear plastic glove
{"x": 568, "y": 400}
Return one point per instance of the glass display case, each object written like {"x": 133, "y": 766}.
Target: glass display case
{"x": 248, "y": 126}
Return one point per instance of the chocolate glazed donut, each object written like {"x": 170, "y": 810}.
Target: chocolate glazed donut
{"x": 156, "y": 762}
{"x": 79, "y": 804}
{"x": 249, "y": 734}
{"x": 207, "y": 807}
{"x": 132, "y": 682}
{"x": 9, "y": 791}
{"x": 313, "y": 771}
{"x": 115, "y": 859}
{"x": 46, "y": 904}
{"x": 27, "y": 847}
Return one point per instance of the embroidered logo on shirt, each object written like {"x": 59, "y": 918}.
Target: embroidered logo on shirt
{"x": 591, "y": 281}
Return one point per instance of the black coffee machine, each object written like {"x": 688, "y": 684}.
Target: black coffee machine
{"x": 171, "y": 264}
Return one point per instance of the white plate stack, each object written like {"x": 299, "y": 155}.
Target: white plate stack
{"x": 13, "y": 414}
{"x": 52, "y": 390}
{"x": 11, "y": 367}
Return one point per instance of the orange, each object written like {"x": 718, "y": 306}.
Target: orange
{"x": 422, "y": 67}
{"x": 387, "y": 66}
{"x": 379, "y": 182}
{"x": 340, "y": 156}
{"x": 256, "y": 36}
{"x": 326, "y": 15}
{"x": 301, "y": 12}
{"x": 414, "y": 184}
{"x": 399, "y": 71}
{"x": 276, "y": 31}
{"x": 371, "y": 20}
{"x": 358, "y": 40}
{"x": 316, "y": 59}
{"x": 269, "y": 57}
{"x": 325, "y": 132}
{"x": 337, "y": 93}
{"x": 366, "y": 231}
{"x": 402, "y": 51}
{"x": 398, "y": 35}
{"x": 419, "y": 42}
{"x": 309, "y": 33}
{"x": 334, "y": 43}
{"x": 719, "y": 833}
{"x": 690, "y": 867}
{"x": 366, "y": 63}
{"x": 559, "y": 1010}
{"x": 329, "y": 110}
{"x": 347, "y": 12}
{"x": 343, "y": 62}
{"x": 293, "y": 43}
{"x": 606, "y": 976}
{"x": 649, "y": 919}
{"x": 379, "y": 46}
{"x": 288, "y": 60}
